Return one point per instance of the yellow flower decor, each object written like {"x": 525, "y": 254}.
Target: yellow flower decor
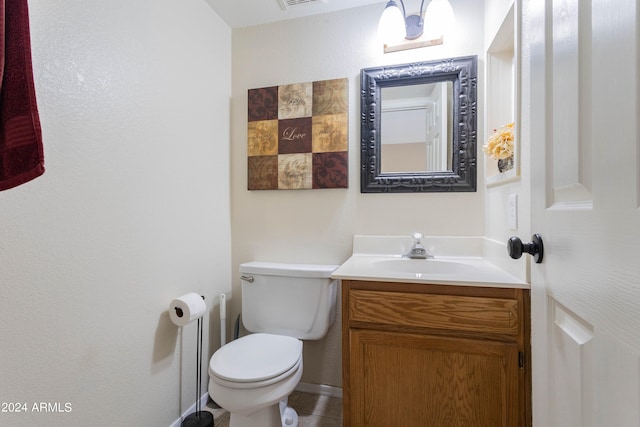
{"x": 500, "y": 144}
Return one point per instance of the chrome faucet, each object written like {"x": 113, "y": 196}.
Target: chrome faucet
{"x": 418, "y": 251}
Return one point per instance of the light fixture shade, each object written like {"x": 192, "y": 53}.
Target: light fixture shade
{"x": 391, "y": 27}
{"x": 438, "y": 19}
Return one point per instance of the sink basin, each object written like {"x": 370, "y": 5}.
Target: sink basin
{"x": 423, "y": 266}
{"x": 458, "y": 262}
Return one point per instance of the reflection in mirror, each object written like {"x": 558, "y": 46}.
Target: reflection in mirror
{"x": 418, "y": 127}
{"x": 426, "y": 144}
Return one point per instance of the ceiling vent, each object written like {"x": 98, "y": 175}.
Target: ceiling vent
{"x": 286, "y": 4}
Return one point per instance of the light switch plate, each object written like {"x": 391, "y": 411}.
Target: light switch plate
{"x": 512, "y": 211}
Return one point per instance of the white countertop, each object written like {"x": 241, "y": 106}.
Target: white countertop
{"x": 462, "y": 269}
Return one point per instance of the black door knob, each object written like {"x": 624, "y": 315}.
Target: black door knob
{"x": 516, "y": 248}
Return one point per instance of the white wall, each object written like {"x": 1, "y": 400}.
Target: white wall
{"x": 318, "y": 225}
{"x": 496, "y": 228}
{"x": 133, "y": 210}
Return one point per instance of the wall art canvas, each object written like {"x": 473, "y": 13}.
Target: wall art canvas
{"x": 298, "y": 136}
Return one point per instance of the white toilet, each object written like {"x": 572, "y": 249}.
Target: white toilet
{"x": 282, "y": 304}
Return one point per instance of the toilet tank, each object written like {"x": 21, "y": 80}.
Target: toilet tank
{"x": 297, "y": 300}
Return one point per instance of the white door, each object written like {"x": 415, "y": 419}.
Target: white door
{"x": 583, "y": 64}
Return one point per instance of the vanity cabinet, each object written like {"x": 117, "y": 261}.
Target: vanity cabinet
{"x": 435, "y": 355}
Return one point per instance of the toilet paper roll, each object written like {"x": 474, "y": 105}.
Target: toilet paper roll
{"x": 187, "y": 308}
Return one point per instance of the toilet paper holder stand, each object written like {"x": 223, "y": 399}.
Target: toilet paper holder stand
{"x": 198, "y": 418}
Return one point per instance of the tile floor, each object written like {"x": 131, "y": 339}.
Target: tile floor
{"x": 313, "y": 410}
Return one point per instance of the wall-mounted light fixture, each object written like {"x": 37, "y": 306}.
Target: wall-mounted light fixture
{"x": 395, "y": 27}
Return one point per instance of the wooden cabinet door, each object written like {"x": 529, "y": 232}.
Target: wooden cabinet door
{"x": 401, "y": 379}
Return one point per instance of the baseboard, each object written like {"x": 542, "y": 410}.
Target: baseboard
{"x": 192, "y": 409}
{"x": 322, "y": 389}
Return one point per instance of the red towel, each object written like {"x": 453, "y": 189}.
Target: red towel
{"x": 21, "y": 153}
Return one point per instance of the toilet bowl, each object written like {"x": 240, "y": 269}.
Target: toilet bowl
{"x": 252, "y": 376}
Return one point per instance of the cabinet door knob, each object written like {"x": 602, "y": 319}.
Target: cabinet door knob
{"x": 516, "y": 248}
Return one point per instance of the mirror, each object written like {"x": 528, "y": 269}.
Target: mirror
{"x": 418, "y": 129}
{"x": 425, "y": 146}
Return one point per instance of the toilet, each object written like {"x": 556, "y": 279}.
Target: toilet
{"x": 282, "y": 304}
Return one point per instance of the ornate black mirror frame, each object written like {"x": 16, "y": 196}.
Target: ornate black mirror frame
{"x": 463, "y": 73}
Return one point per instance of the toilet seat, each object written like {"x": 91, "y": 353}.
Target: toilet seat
{"x": 257, "y": 384}
{"x": 256, "y": 360}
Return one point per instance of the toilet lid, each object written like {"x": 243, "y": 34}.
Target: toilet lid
{"x": 256, "y": 357}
